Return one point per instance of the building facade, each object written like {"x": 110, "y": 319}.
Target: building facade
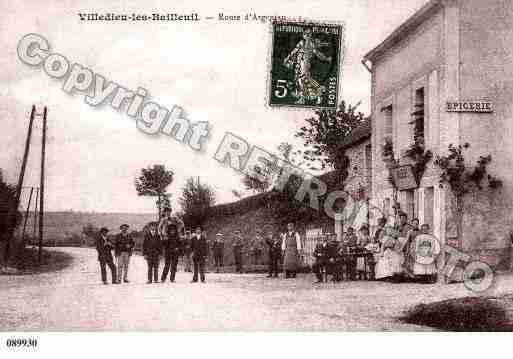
{"x": 449, "y": 52}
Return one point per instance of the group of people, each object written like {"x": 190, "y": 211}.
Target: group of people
{"x": 405, "y": 250}
{"x": 392, "y": 253}
{"x": 161, "y": 239}
{"x": 167, "y": 239}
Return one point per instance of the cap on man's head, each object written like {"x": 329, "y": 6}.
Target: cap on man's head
{"x": 104, "y": 230}
{"x": 124, "y": 225}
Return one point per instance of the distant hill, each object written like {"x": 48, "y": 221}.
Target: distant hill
{"x": 60, "y": 226}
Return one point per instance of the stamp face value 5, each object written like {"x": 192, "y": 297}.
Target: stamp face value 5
{"x": 305, "y": 64}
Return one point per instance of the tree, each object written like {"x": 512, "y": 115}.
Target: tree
{"x": 153, "y": 181}
{"x": 253, "y": 182}
{"x": 7, "y": 202}
{"x": 264, "y": 178}
{"x": 324, "y": 134}
{"x": 164, "y": 203}
{"x": 196, "y": 200}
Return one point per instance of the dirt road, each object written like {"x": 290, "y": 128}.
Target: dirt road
{"x": 74, "y": 299}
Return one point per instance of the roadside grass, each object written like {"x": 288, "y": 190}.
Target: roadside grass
{"x": 469, "y": 314}
{"x": 25, "y": 260}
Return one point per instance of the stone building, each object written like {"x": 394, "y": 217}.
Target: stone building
{"x": 445, "y": 76}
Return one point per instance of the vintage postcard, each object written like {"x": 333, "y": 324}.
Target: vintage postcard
{"x": 211, "y": 168}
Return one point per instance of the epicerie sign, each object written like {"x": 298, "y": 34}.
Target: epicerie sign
{"x": 469, "y": 106}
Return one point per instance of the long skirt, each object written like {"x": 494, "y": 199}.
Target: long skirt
{"x": 390, "y": 264}
{"x": 291, "y": 258}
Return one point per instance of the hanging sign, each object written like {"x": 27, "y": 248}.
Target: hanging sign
{"x": 404, "y": 178}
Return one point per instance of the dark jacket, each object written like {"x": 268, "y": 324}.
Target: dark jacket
{"x": 218, "y": 248}
{"x": 350, "y": 240}
{"x": 333, "y": 251}
{"x": 320, "y": 252}
{"x": 187, "y": 246}
{"x": 172, "y": 246}
{"x": 123, "y": 243}
{"x": 274, "y": 247}
{"x": 104, "y": 248}
{"x": 237, "y": 247}
{"x": 152, "y": 245}
{"x": 199, "y": 247}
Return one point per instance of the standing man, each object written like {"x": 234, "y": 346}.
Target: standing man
{"x": 333, "y": 261}
{"x": 187, "y": 251}
{"x": 104, "y": 248}
{"x": 218, "y": 251}
{"x": 256, "y": 249}
{"x": 199, "y": 255}
{"x": 169, "y": 231}
{"x": 152, "y": 248}
{"x": 408, "y": 247}
{"x": 350, "y": 243}
{"x": 291, "y": 247}
{"x": 403, "y": 227}
{"x": 238, "y": 245}
{"x": 123, "y": 250}
{"x": 320, "y": 254}
{"x": 274, "y": 245}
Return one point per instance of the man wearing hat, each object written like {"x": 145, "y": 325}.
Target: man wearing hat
{"x": 274, "y": 244}
{"x": 218, "y": 251}
{"x": 187, "y": 251}
{"x": 170, "y": 229}
{"x": 152, "y": 248}
{"x": 104, "y": 247}
{"x": 237, "y": 251}
{"x": 123, "y": 250}
{"x": 199, "y": 246}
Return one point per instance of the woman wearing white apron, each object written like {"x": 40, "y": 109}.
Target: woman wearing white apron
{"x": 426, "y": 251}
{"x": 390, "y": 262}
{"x": 291, "y": 246}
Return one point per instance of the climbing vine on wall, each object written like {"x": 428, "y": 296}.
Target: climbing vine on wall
{"x": 460, "y": 179}
{"x": 420, "y": 158}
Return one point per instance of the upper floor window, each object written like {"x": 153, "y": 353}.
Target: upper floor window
{"x": 387, "y": 121}
{"x": 418, "y": 117}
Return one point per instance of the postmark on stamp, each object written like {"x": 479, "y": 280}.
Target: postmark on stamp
{"x": 305, "y": 64}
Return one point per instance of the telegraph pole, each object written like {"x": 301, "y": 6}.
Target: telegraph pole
{"x": 35, "y": 218}
{"x": 42, "y": 187}
{"x": 14, "y": 211}
{"x": 27, "y": 215}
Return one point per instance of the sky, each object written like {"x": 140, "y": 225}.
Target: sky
{"x": 215, "y": 70}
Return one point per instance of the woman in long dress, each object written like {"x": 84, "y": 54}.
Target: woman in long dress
{"x": 291, "y": 246}
{"x": 426, "y": 251}
{"x": 390, "y": 262}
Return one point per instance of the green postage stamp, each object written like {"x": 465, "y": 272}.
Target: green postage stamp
{"x": 305, "y": 64}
